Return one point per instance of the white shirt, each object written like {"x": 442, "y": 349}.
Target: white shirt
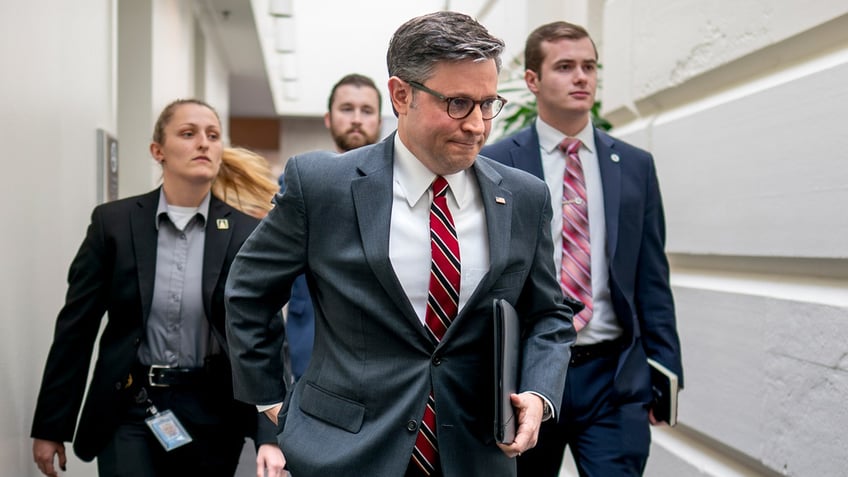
{"x": 409, "y": 235}
{"x": 603, "y": 326}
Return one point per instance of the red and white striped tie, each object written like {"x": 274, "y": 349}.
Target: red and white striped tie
{"x": 576, "y": 269}
{"x": 442, "y": 306}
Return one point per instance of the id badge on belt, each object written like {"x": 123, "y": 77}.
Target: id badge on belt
{"x": 164, "y": 425}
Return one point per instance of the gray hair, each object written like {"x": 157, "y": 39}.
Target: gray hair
{"x": 419, "y": 44}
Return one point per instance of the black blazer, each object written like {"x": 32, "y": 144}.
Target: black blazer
{"x": 113, "y": 272}
{"x": 638, "y": 267}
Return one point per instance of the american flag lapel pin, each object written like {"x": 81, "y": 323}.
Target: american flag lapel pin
{"x": 500, "y": 200}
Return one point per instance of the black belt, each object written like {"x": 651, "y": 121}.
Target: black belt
{"x": 584, "y": 353}
{"x": 158, "y": 376}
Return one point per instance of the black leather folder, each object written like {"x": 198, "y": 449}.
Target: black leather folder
{"x": 507, "y": 357}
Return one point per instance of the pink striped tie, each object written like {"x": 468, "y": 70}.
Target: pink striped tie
{"x": 576, "y": 269}
{"x": 442, "y": 305}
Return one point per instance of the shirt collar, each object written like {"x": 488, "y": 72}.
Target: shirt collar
{"x": 549, "y": 137}
{"x": 162, "y": 208}
{"x": 415, "y": 179}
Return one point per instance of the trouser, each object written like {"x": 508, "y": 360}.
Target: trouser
{"x": 608, "y": 435}
{"x": 216, "y": 444}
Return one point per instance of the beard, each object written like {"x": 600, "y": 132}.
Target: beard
{"x": 347, "y": 140}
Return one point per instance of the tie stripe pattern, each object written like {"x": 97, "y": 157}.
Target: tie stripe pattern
{"x": 425, "y": 454}
{"x": 575, "y": 272}
{"x": 443, "y": 297}
{"x": 442, "y": 306}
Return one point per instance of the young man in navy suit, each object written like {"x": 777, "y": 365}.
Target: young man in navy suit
{"x": 629, "y": 314}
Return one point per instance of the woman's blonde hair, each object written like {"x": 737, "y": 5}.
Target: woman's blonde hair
{"x": 245, "y": 182}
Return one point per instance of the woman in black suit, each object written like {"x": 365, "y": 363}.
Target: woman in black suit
{"x": 156, "y": 264}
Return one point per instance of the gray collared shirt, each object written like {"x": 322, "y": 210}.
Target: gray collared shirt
{"x": 177, "y": 331}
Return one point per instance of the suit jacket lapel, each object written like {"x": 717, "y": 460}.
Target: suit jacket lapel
{"x": 215, "y": 250}
{"x": 527, "y": 156}
{"x": 372, "y": 202}
{"x": 144, "y": 237}
{"x": 611, "y": 180}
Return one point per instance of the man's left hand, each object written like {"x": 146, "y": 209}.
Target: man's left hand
{"x": 528, "y": 410}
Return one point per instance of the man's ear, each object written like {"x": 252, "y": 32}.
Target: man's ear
{"x": 327, "y": 120}
{"x": 401, "y": 94}
{"x": 532, "y": 81}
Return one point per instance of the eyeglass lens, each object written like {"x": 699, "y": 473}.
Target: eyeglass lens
{"x": 460, "y": 108}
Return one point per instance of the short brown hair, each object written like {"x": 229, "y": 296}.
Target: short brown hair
{"x": 533, "y": 54}
{"x": 359, "y": 81}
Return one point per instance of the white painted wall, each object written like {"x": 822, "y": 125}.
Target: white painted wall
{"x": 57, "y": 86}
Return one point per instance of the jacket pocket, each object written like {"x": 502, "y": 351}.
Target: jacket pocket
{"x": 332, "y": 408}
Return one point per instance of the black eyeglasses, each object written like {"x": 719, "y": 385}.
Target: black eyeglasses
{"x": 460, "y": 108}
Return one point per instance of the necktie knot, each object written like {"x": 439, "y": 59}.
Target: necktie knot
{"x": 440, "y": 187}
{"x": 570, "y": 145}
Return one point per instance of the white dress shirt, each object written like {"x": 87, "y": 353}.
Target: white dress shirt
{"x": 409, "y": 236}
{"x": 603, "y": 326}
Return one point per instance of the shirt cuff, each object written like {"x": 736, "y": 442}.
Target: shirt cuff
{"x": 265, "y": 407}
{"x": 548, "y": 411}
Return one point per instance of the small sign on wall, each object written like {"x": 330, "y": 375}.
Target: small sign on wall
{"x": 107, "y": 167}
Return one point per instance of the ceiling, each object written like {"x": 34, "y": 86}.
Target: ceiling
{"x": 347, "y": 37}
{"x": 234, "y": 29}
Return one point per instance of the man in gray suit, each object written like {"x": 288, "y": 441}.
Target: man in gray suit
{"x": 382, "y": 385}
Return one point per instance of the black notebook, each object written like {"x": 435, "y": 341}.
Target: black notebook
{"x": 507, "y": 355}
{"x": 665, "y": 386}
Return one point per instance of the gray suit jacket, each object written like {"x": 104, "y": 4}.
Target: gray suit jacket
{"x": 356, "y": 409}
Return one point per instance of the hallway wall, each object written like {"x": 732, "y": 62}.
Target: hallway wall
{"x": 57, "y": 89}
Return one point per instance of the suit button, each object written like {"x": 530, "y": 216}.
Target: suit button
{"x": 437, "y": 360}
{"x": 118, "y": 386}
{"x": 137, "y": 341}
{"x": 411, "y": 425}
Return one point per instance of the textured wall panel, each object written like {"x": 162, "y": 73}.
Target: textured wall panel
{"x": 767, "y": 377}
{"x": 762, "y": 174}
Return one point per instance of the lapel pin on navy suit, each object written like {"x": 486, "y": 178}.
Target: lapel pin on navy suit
{"x": 615, "y": 157}
{"x": 222, "y": 224}
{"x": 500, "y": 200}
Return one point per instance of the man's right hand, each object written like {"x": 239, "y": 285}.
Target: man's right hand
{"x": 44, "y": 452}
{"x": 273, "y": 413}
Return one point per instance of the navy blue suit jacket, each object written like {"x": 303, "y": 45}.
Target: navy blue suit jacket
{"x": 638, "y": 267}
